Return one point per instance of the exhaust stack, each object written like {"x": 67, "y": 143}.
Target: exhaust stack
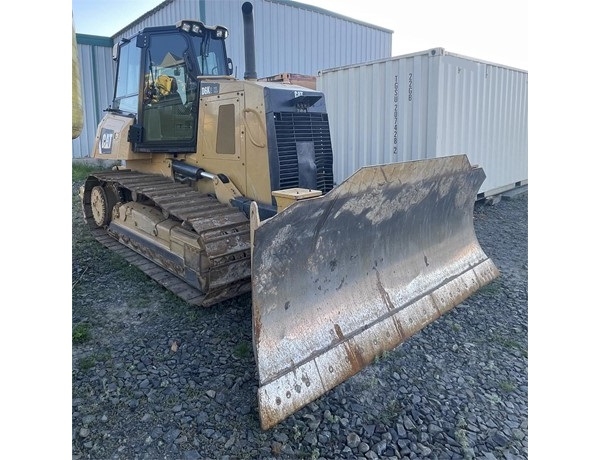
{"x": 248, "y": 33}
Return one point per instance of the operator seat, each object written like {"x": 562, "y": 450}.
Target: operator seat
{"x": 169, "y": 104}
{"x": 167, "y": 90}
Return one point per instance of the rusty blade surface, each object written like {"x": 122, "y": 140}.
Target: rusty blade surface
{"x": 337, "y": 280}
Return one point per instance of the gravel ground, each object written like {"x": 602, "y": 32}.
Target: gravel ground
{"x": 153, "y": 378}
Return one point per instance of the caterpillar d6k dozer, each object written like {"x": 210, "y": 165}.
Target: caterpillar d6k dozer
{"x": 226, "y": 187}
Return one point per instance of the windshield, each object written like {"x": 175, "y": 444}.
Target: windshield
{"x": 210, "y": 55}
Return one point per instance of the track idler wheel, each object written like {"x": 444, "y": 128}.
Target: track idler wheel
{"x": 102, "y": 201}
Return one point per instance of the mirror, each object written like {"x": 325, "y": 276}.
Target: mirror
{"x": 229, "y": 66}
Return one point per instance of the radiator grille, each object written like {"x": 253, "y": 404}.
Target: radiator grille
{"x": 293, "y": 127}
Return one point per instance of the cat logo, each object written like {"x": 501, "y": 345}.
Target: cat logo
{"x": 106, "y": 141}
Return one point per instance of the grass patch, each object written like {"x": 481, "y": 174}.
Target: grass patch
{"x": 80, "y": 333}
{"x": 104, "y": 356}
{"x": 193, "y": 315}
{"x": 124, "y": 270}
{"x": 391, "y": 412}
{"x": 493, "y": 398}
{"x": 196, "y": 394}
{"x": 298, "y": 433}
{"x": 460, "y": 435}
{"x": 365, "y": 381}
{"x": 142, "y": 303}
{"x": 87, "y": 363}
{"x": 242, "y": 349}
{"x": 512, "y": 344}
{"x": 381, "y": 357}
{"x": 330, "y": 417}
{"x": 507, "y": 386}
{"x": 82, "y": 169}
{"x": 461, "y": 438}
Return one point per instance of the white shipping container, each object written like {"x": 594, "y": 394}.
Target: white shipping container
{"x": 426, "y": 105}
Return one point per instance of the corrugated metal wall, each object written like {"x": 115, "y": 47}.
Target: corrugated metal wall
{"x": 166, "y": 13}
{"x": 298, "y": 38}
{"x": 290, "y": 37}
{"x": 430, "y": 104}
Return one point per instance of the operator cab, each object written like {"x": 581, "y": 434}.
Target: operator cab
{"x": 157, "y": 82}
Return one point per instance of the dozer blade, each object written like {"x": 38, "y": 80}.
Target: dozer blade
{"x": 337, "y": 280}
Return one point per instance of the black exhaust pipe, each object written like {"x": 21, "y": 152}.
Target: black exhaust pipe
{"x": 248, "y": 33}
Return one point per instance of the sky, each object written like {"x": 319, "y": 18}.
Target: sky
{"x": 489, "y": 30}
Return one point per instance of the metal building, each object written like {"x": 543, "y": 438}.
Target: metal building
{"x": 430, "y": 104}
{"x": 289, "y": 37}
{"x": 97, "y": 70}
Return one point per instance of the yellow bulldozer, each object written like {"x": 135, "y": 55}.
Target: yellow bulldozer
{"x": 226, "y": 187}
